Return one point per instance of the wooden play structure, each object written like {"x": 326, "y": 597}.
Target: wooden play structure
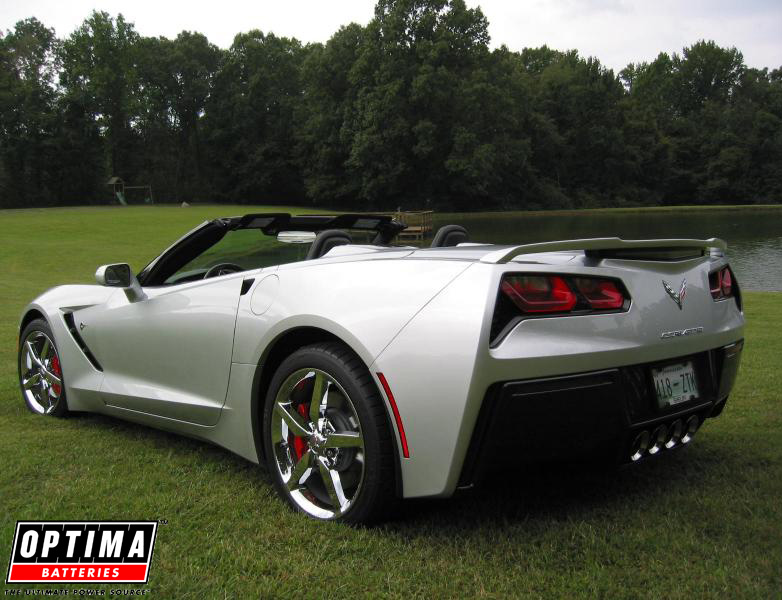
{"x": 118, "y": 188}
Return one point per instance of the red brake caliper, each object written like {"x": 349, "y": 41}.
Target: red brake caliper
{"x": 56, "y": 370}
{"x": 299, "y": 445}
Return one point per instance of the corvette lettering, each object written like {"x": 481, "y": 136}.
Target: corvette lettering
{"x": 681, "y": 332}
{"x": 82, "y": 551}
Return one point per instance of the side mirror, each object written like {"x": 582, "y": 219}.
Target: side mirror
{"x": 120, "y": 275}
{"x": 117, "y": 275}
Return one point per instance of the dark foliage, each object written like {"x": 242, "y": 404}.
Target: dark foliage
{"x": 413, "y": 110}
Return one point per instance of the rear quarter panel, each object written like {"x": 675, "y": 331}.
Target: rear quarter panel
{"x": 364, "y": 303}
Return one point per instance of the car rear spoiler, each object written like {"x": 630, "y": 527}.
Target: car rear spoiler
{"x": 659, "y": 250}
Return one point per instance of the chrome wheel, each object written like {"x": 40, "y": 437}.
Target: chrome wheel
{"x": 41, "y": 374}
{"x": 317, "y": 443}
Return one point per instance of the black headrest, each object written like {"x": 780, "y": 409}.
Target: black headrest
{"x": 327, "y": 240}
{"x": 449, "y": 235}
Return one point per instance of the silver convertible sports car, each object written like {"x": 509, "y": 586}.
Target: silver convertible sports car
{"x": 361, "y": 372}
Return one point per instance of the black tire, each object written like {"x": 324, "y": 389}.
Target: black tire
{"x": 33, "y": 332}
{"x": 376, "y": 494}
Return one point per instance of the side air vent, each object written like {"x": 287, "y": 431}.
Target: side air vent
{"x": 68, "y": 317}
{"x": 246, "y": 285}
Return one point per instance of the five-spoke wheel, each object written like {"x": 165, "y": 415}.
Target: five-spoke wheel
{"x": 326, "y": 439}
{"x": 40, "y": 372}
{"x": 317, "y": 443}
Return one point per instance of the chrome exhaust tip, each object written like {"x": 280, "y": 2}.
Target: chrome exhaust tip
{"x": 659, "y": 435}
{"x": 639, "y": 446}
{"x": 675, "y": 432}
{"x": 690, "y": 428}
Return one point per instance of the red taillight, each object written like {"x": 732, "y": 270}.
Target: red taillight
{"x": 715, "y": 284}
{"x": 727, "y": 284}
{"x": 602, "y": 294}
{"x": 721, "y": 284}
{"x": 530, "y": 295}
{"x": 539, "y": 294}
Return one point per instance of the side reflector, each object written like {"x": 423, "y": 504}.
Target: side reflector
{"x": 397, "y": 417}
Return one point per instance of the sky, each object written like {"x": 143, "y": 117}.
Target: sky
{"x": 615, "y": 31}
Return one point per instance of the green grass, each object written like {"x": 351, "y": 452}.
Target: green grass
{"x": 704, "y": 522}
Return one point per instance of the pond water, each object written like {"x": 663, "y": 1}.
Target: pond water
{"x": 754, "y": 235}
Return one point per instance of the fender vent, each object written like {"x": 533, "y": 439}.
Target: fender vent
{"x": 68, "y": 318}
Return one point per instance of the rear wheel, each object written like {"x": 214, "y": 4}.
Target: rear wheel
{"x": 40, "y": 371}
{"x": 327, "y": 441}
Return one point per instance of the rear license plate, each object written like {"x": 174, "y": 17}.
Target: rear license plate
{"x": 675, "y": 384}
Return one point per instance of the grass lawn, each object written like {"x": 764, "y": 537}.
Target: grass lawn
{"x": 703, "y": 522}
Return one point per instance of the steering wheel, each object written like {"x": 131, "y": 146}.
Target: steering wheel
{"x": 222, "y": 269}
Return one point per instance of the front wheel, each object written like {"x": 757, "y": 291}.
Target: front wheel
{"x": 327, "y": 441}
{"x": 40, "y": 371}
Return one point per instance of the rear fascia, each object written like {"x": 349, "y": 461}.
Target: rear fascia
{"x": 441, "y": 365}
{"x": 590, "y": 416}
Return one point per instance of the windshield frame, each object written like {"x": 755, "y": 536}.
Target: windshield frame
{"x": 209, "y": 233}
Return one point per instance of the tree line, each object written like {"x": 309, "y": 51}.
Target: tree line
{"x": 413, "y": 110}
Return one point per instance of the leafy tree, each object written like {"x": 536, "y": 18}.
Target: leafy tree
{"x": 411, "y": 110}
{"x": 250, "y": 120}
{"x": 326, "y": 118}
{"x": 582, "y": 99}
{"x": 705, "y": 72}
{"x": 409, "y": 134}
{"x": 28, "y": 71}
{"x": 175, "y": 78}
{"x": 652, "y": 85}
{"x": 100, "y": 73}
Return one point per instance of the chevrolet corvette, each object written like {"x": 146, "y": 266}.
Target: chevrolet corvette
{"x": 361, "y": 371}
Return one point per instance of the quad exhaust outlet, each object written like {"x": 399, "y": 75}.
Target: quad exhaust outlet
{"x": 665, "y": 436}
{"x": 640, "y": 446}
{"x": 674, "y": 434}
{"x": 659, "y": 435}
{"x": 690, "y": 428}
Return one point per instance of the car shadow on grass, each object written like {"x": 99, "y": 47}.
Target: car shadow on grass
{"x": 555, "y": 492}
{"x": 546, "y": 492}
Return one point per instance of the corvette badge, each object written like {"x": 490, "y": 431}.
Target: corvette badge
{"x": 678, "y": 298}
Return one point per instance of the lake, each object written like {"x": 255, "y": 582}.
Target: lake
{"x": 754, "y": 235}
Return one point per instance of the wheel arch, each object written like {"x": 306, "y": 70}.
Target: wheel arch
{"x": 30, "y": 315}
{"x": 275, "y": 353}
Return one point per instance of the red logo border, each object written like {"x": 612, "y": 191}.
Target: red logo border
{"x": 83, "y": 581}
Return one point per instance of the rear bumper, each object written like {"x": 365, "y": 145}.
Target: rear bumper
{"x": 589, "y": 416}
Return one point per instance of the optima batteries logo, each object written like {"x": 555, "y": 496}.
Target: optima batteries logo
{"x": 82, "y": 551}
